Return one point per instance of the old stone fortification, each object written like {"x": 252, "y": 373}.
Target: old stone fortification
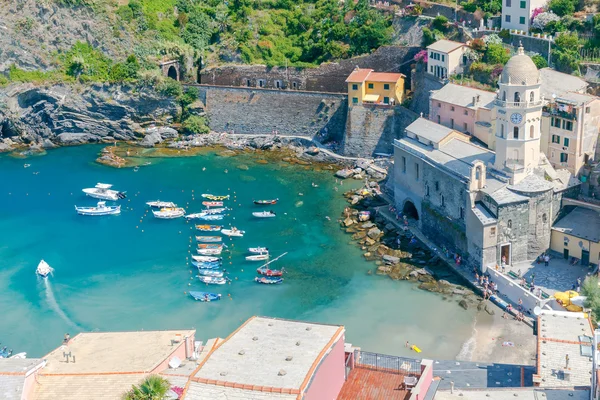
{"x": 255, "y": 111}
{"x": 372, "y": 129}
{"x": 328, "y": 77}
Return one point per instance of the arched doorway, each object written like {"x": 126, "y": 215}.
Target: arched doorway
{"x": 410, "y": 210}
{"x": 172, "y": 73}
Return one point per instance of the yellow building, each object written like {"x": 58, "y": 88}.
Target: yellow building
{"x": 577, "y": 235}
{"x": 368, "y": 87}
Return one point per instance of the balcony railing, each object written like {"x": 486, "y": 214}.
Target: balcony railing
{"x": 518, "y": 104}
{"x": 554, "y": 111}
{"x": 383, "y": 362}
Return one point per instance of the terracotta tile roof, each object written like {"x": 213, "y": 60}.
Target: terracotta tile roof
{"x": 384, "y": 77}
{"x": 358, "y": 75}
{"x": 369, "y": 384}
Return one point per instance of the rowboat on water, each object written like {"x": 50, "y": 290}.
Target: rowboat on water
{"x": 206, "y": 259}
{"x": 258, "y": 250}
{"x": 209, "y": 239}
{"x": 211, "y": 211}
{"x": 169, "y": 213}
{"x": 211, "y": 245}
{"x": 214, "y": 197}
{"x": 213, "y": 280}
{"x": 258, "y": 257}
{"x": 209, "y": 228}
{"x": 266, "y": 271}
{"x": 209, "y": 252}
{"x": 210, "y": 272}
{"x": 100, "y": 209}
{"x": 233, "y": 232}
{"x": 205, "y": 296}
{"x": 211, "y": 217}
{"x": 103, "y": 191}
{"x": 212, "y": 203}
{"x": 264, "y": 214}
{"x": 161, "y": 204}
{"x": 43, "y": 269}
{"x": 204, "y": 265}
{"x": 268, "y": 280}
{"x": 265, "y": 202}
{"x": 195, "y": 215}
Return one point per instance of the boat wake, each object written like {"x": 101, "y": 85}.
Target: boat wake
{"x": 55, "y": 307}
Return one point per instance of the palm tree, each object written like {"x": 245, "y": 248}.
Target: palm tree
{"x": 154, "y": 387}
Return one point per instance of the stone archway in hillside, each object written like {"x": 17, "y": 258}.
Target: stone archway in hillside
{"x": 172, "y": 73}
{"x": 171, "y": 69}
{"x": 410, "y": 210}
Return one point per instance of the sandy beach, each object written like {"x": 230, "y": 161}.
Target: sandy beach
{"x": 499, "y": 340}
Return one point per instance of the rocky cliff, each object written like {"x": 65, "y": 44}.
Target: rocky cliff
{"x": 66, "y": 114}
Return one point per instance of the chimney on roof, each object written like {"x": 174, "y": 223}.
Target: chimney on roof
{"x": 474, "y": 101}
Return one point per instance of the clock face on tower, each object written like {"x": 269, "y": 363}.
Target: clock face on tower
{"x": 516, "y": 118}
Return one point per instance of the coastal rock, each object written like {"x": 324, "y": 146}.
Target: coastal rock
{"x": 243, "y": 167}
{"x": 363, "y": 164}
{"x": 47, "y": 144}
{"x": 359, "y": 235}
{"x": 389, "y": 226}
{"x": 164, "y": 132}
{"x": 391, "y": 259}
{"x": 151, "y": 139}
{"x": 356, "y": 199}
{"x": 369, "y": 241}
{"x": 348, "y": 221}
{"x": 344, "y": 173}
{"x": 5, "y": 147}
{"x": 463, "y": 303}
{"x": 367, "y": 225}
{"x": 374, "y": 233}
{"x": 384, "y": 270}
{"x": 358, "y": 177}
{"x": 70, "y": 138}
{"x": 313, "y": 151}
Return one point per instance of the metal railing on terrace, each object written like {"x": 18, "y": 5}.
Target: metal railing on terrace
{"x": 553, "y": 110}
{"x": 385, "y": 363}
{"x": 518, "y": 104}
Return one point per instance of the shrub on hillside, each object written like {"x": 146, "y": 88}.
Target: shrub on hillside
{"x": 562, "y": 7}
{"x": 496, "y": 54}
{"x": 440, "y": 22}
{"x": 194, "y": 125}
{"x": 539, "y": 61}
{"x": 542, "y": 19}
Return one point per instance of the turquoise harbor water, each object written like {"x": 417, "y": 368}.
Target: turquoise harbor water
{"x": 130, "y": 272}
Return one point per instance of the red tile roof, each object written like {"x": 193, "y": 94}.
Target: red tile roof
{"x": 359, "y": 75}
{"x": 369, "y": 384}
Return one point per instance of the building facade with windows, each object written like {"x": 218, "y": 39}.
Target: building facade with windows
{"x": 368, "y": 87}
{"x": 577, "y": 234}
{"x": 516, "y": 14}
{"x": 489, "y": 207}
{"x": 446, "y": 58}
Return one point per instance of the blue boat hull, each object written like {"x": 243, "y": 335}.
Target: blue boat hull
{"x": 206, "y": 265}
{"x": 268, "y": 280}
{"x": 205, "y": 296}
{"x": 210, "y": 272}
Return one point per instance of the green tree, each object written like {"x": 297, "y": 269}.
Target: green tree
{"x": 496, "y": 54}
{"x": 153, "y": 387}
{"x": 566, "y": 54}
{"x": 195, "y": 124}
{"x": 440, "y": 22}
{"x": 198, "y": 29}
{"x": 539, "y": 61}
{"x": 562, "y": 7}
{"x": 591, "y": 290}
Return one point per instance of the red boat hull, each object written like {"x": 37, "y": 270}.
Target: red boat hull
{"x": 270, "y": 272}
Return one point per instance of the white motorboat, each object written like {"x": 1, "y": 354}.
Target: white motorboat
{"x": 43, "y": 269}
{"x": 258, "y": 250}
{"x": 210, "y": 252}
{"x": 206, "y": 259}
{"x": 264, "y": 214}
{"x": 233, "y": 232}
{"x": 196, "y": 215}
{"x": 103, "y": 191}
{"x": 258, "y": 257}
{"x": 19, "y": 355}
{"x": 100, "y": 209}
{"x": 169, "y": 213}
{"x": 213, "y": 280}
{"x": 161, "y": 204}
{"x": 210, "y": 211}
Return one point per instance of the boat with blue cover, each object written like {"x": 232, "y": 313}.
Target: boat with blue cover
{"x": 268, "y": 280}
{"x": 205, "y": 296}
{"x": 211, "y": 217}
{"x": 206, "y": 265}
{"x": 210, "y": 272}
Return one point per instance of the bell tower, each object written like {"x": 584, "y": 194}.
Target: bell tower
{"x": 518, "y": 125}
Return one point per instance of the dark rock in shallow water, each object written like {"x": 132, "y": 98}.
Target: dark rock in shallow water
{"x": 464, "y": 304}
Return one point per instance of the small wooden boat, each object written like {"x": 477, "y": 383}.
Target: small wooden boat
{"x": 265, "y": 202}
{"x": 212, "y": 203}
{"x": 100, "y": 209}
{"x": 211, "y": 245}
{"x": 270, "y": 272}
{"x": 209, "y": 228}
{"x": 205, "y": 265}
{"x": 205, "y": 296}
{"x": 264, "y": 214}
{"x": 258, "y": 257}
{"x": 268, "y": 280}
{"x": 214, "y": 197}
{"x": 161, "y": 204}
{"x": 209, "y": 252}
{"x": 210, "y": 280}
{"x": 210, "y": 217}
{"x": 169, "y": 213}
{"x": 233, "y": 232}
{"x": 258, "y": 250}
{"x": 209, "y": 239}
{"x": 210, "y": 272}
{"x": 212, "y": 211}
{"x": 206, "y": 259}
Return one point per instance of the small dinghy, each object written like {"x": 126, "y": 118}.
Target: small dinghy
{"x": 258, "y": 257}
{"x": 266, "y": 271}
{"x": 205, "y": 296}
{"x": 100, "y": 209}
{"x": 209, "y": 239}
{"x": 268, "y": 280}
{"x": 264, "y": 214}
{"x": 204, "y": 265}
{"x": 209, "y": 252}
{"x": 161, "y": 204}
{"x": 265, "y": 202}
{"x": 212, "y": 211}
{"x": 212, "y": 203}
{"x": 195, "y": 215}
{"x": 103, "y": 191}
{"x": 206, "y": 259}
{"x": 169, "y": 213}
{"x": 258, "y": 250}
{"x": 43, "y": 269}
{"x": 213, "y": 280}
{"x": 211, "y": 217}
{"x": 233, "y": 232}
{"x": 209, "y": 228}
{"x": 210, "y": 272}
{"x": 211, "y": 245}
{"x": 214, "y": 197}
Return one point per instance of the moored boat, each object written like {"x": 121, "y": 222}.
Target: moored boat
{"x": 233, "y": 232}
{"x": 209, "y": 252}
{"x": 212, "y": 203}
{"x": 161, "y": 204}
{"x": 103, "y": 191}
{"x": 266, "y": 271}
{"x": 100, "y": 209}
{"x": 169, "y": 213}
{"x": 213, "y": 280}
{"x": 214, "y": 197}
{"x": 209, "y": 239}
{"x": 258, "y": 257}
{"x": 205, "y": 265}
{"x": 258, "y": 250}
{"x": 43, "y": 269}
{"x": 210, "y": 272}
{"x": 264, "y": 214}
{"x": 211, "y": 217}
{"x": 219, "y": 210}
{"x": 205, "y": 296}
{"x": 209, "y": 228}
{"x": 268, "y": 280}
{"x": 265, "y": 202}
{"x": 206, "y": 259}
{"x": 195, "y": 215}
{"x": 211, "y": 245}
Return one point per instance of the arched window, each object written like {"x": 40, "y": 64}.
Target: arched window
{"x": 531, "y": 96}
{"x": 544, "y": 218}
{"x": 504, "y": 96}
{"x": 517, "y": 97}
{"x": 502, "y": 131}
{"x": 531, "y": 131}
{"x": 516, "y": 132}
{"x": 509, "y": 223}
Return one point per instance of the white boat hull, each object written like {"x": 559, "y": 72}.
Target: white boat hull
{"x": 209, "y": 252}
{"x": 260, "y": 257}
{"x": 97, "y": 211}
{"x": 168, "y": 214}
{"x": 258, "y": 250}
{"x": 232, "y": 232}
{"x": 264, "y": 215}
{"x": 161, "y": 204}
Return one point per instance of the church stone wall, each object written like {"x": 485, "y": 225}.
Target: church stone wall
{"x": 517, "y": 216}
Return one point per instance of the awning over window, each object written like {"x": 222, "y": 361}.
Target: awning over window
{"x": 371, "y": 98}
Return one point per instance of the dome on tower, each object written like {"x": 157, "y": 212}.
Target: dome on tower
{"x": 520, "y": 70}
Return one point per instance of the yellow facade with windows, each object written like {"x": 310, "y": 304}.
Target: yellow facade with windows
{"x": 578, "y": 235}
{"x": 368, "y": 87}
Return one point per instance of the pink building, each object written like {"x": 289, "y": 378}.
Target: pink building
{"x": 17, "y": 377}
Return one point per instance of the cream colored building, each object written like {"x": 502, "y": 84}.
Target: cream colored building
{"x": 516, "y": 14}
{"x": 446, "y": 58}
{"x": 577, "y": 235}
{"x": 368, "y": 87}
